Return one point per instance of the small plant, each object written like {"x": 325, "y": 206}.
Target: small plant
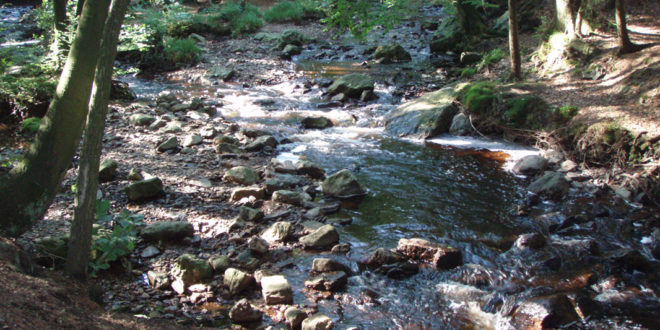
{"x": 468, "y": 72}
{"x": 566, "y": 112}
{"x": 248, "y": 22}
{"x": 286, "y": 11}
{"x": 491, "y": 58}
{"x": 31, "y": 125}
{"x": 179, "y": 50}
{"x": 109, "y": 245}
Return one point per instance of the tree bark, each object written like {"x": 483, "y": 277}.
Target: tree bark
{"x": 514, "y": 45}
{"x": 29, "y": 188}
{"x": 87, "y": 182}
{"x": 79, "y": 7}
{"x": 625, "y": 45}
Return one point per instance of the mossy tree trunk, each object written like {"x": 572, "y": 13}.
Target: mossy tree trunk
{"x": 469, "y": 17}
{"x": 87, "y": 182}
{"x": 514, "y": 45}
{"x": 29, "y": 188}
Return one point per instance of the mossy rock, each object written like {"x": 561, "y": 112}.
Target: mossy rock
{"x": 480, "y": 98}
{"x": 393, "y": 53}
{"x": 427, "y": 116}
{"x": 529, "y": 112}
{"x": 352, "y": 85}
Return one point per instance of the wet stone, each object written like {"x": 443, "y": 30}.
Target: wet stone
{"x": 532, "y": 241}
{"x": 276, "y": 290}
{"x": 341, "y": 249}
{"x": 317, "y": 322}
{"x": 261, "y": 142}
{"x": 316, "y": 122}
{"x": 544, "y": 312}
{"x": 440, "y": 255}
{"x": 294, "y": 317}
{"x": 331, "y": 281}
{"x": 343, "y": 184}
{"x": 237, "y": 280}
{"x": 323, "y": 265}
{"x": 383, "y": 257}
{"x": 552, "y": 185}
{"x": 243, "y": 312}
{"x": 530, "y": 165}
{"x": 311, "y": 169}
{"x": 278, "y": 232}
{"x": 321, "y": 239}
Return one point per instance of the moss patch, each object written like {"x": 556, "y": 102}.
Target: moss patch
{"x": 479, "y": 98}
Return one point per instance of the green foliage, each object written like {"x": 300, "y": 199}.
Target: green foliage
{"x": 566, "y": 112}
{"x": 26, "y": 78}
{"x": 248, "y": 22}
{"x": 361, "y": 16}
{"x": 31, "y": 125}
{"x": 491, "y": 58}
{"x": 479, "y": 97}
{"x": 530, "y": 112}
{"x": 286, "y": 11}
{"x": 468, "y": 72}
{"x": 114, "y": 237}
{"x": 184, "y": 51}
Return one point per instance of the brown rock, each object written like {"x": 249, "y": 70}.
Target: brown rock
{"x": 440, "y": 255}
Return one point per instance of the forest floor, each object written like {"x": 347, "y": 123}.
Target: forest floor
{"x": 627, "y": 92}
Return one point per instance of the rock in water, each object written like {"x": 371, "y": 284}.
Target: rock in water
{"x": 343, "y": 184}
{"x": 276, "y": 290}
{"x": 189, "y": 270}
{"x": 393, "y": 53}
{"x": 107, "y": 170}
{"x": 317, "y": 322}
{"x": 145, "y": 189}
{"x": 351, "y": 85}
{"x": 323, "y": 265}
{"x": 243, "y": 312}
{"x": 316, "y": 122}
{"x": 383, "y": 257}
{"x": 440, "y": 255}
{"x": 290, "y": 197}
{"x": 294, "y": 317}
{"x": 322, "y": 238}
{"x": 530, "y": 165}
{"x": 278, "y": 232}
{"x": 544, "y": 312}
{"x": 167, "y": 230}
{"x": 426, "y": 116}
{"x": 553, "y": 185}
{"x": 237, "y": 280}
{"x": 310, "y": 168}
{"x": 460, "y": 125}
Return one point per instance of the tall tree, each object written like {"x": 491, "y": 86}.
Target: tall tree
{"x": 87, "y": 182}
{"x": 29, "y": 188}
{"x": 514, "y": 45}
{"x": 625, "y": 45}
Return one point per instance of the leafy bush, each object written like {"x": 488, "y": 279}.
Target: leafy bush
{"x": 287, "y": 11}
{"x": 479, "y": 97}
{"x": 109, "y": 245}
{"x": 248, "y": 22}
{"x": 468, "y": 72}
{"x": 31, "y": 125}
{"x": 179, "y": 50}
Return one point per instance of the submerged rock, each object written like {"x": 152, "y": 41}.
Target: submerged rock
{"x": 344, "y": 185}
{"x": 167, "y": 230}
{"x": 440, "y": 255}
{"x": 276, "y": 290}
{"x": 426, "y": 116}
{"x": 322, "y": 238}
{"x": 351, "y": 85}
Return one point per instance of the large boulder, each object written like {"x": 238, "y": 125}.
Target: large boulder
{"x": 322, "y": 238}
{"x": 344, "y": 185}
{"x": 276, "y": 290}
{"x": 530, "y": 165}
{"x": 241, "y": 175}
{"x": 393, "y": 53}
{"x": 439, "y": 255}
{"x": 426, "y": 116}
{"x": 189, "y": 270}
{"x": 552, "y": 185}
{"x": 145, "y": 189}
{"x": 352, "y": 85}
{"x": 167, "y": 230}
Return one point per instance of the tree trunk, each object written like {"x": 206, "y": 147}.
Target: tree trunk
{"x": 625, "y": 45}
{"x": 566, "y": 16}
{"x": 87, "y": 183}
{"x": 28, "y": 190}
{"x": 514, "y": 46}
{"x": 79, "y": 7}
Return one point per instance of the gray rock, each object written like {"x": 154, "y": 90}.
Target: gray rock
{"x": 225, "y": 139}
{"x": 294, "y": 317}
{"x": 167, "y": 230}
{"x": 530, "y": 165}
{"x": 439, "y": 255}
{"x": 339, "y": 98}
{"x": 290, "y": 197}
{"x": 192, "y": 140}
{"x": 241, "y": 175}
{"x": 341, "y": 248}
{"x": 140, "y": 119}
{"x": 219, "y": 263}
{"x": 468, "y": 58}
{"x": 393, "y": 53}
{"x": 532, "y": 241}
{"x": 172, "y": 127}
{"x": 199, "y": 182}
{"x": 158, "y": 124}
{"x": 460, "y": 125}
{"x": 317, "y": 322}
{"x": 237, "y": 280}
{"x": 145, "y": 189}
{"x": 278, "y": 232}
{"x": 568, "y": 166}
{"x": 427, "y": 116}
{"x": 249, "y": 214}
{"x": 189, "y": 270}
{"x": 552, "y": 185}
{"x": 290, "y": 51}
{"x": 179, "y": 107}
{"x": 158, "y": 280}
{"x": 285, "y": 166}
{"x": 258, "y": 245}
{"x": 383, "y": 257}
{"x": 261, "y": 142}
{"x": 331, "y": 281}
{"x": 135, "y": 175}
{"x": 323, "y": 265}
{"x": 150, "y": 251}
{"x": 322, "y": 238}
{"x": 107, "y": 170}
{"x": 171, "y": 143}
{"x": 221, "y": 72}
{"x": 368, "y": 95}
{"x": 276, "y": 290}
{"x": 310, "y": 168}
{"x": 283, "y": 182}
{"x": 243, "y": 192}
{"x": 343, "y": 184}
{"x": 352, "y": 85}
{"x": 316, "y": 122}
{"x": 243, "y": 312}
{"x": 227, "y": 148}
